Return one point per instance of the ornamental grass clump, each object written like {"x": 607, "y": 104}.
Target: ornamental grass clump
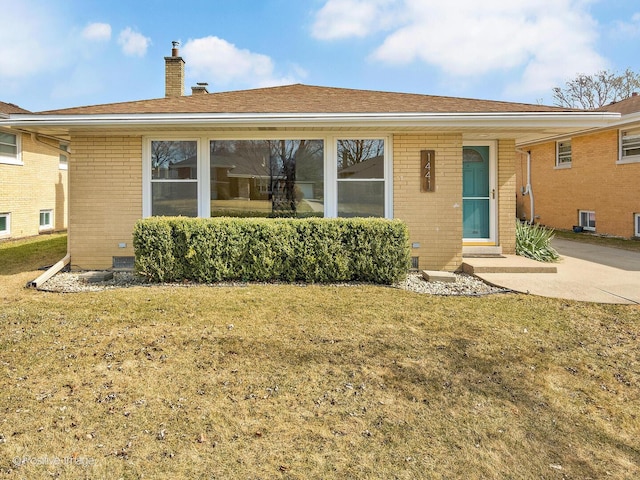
{"x": 534, "y": 241}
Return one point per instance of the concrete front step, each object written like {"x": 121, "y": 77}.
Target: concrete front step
{"x": 506, "y": 264}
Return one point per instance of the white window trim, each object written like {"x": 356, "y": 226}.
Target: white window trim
{"x": 18, "y": 158}
{"x": 630, "y": 158}
{"x": 636, "y": 224}
{"x": 64, "y": 166}
{"x": 146, "y": 170}
{"x": 587, "y": 228}
{"x": 561, "y": 165}
{"x": 330, "y": 167}
{"x": 48, "y": 226}
{"x": 331, "y": 174}
{"x": 6, "y": 232}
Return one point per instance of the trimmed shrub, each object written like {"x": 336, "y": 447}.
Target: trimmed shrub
{"x": 313, "y": 250}
{"x": 534, "y": 241}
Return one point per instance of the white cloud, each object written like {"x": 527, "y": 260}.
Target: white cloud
{"x": 213, "y": 59}
{"x": 631, "y": 28}
{"x": 133, "y": 43}
{"x": 99, "y": 32}
{"x": 353, "y": 18}
{"x": 547, "y": 41}
{"x": 26, "y": 38}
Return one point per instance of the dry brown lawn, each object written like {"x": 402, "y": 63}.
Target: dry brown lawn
{"x": 291, "y": 382}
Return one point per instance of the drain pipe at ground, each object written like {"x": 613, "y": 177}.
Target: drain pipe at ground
{"x": 527, "y": 189}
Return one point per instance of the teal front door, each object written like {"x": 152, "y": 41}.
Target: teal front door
{"x": 478, "y": 194}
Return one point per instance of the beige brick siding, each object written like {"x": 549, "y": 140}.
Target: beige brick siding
{"x": 506, "y": 196}
{"x": 594, "y": 182}
{"x": 434, "y": 218}
{"x": 105, "y": 198}
{"x": 38, "y": 184}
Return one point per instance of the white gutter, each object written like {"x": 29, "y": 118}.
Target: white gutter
{"x": 486, "y": 119}
{"x": 50, "y": 272}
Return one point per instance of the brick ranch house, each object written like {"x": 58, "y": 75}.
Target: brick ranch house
{"x": 587, "y": 179}
{"x": 446, "y": 166}
{"x": 33, "y": 180}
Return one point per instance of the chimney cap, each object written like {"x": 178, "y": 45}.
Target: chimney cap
{"x": 175, "y": 43}
{"x": 202, "y": 84}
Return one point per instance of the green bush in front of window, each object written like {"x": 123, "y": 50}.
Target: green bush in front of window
{"x": 312, "y": 250}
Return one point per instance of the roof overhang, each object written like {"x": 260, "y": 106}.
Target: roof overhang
{"x": 522, "y": 126}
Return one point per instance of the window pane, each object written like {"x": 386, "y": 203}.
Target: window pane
{"x": 267, "y": 178}
{"x": 630, "y": 144}
{"x": 3, "y": 223}
{"x": 8, "y": 138}
{"x": 174, "y": 198}
{"x": 8, "y": 150}
{"x": 564, "y": 152}
{"x": 360, "y": 199}
{"x": 175, "y": 160}
{"x": 361, "y": 159}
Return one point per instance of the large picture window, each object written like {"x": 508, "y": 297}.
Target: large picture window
{"x": 361, "y": 188}
{"x": 174, "y": 177}
{"x": 267, "y": 178}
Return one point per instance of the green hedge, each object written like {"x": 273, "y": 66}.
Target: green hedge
{"x": 312, "y": 250}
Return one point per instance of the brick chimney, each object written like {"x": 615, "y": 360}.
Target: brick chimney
{"x": 200, "y": 88}
{"x": 174, "y": 73}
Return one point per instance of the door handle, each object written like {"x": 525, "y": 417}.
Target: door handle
{"x": 493, "y": 193}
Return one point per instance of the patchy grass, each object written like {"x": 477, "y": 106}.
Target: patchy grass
{"x": 31, "y": 253}
{"x": 315, "y": 382}
{"x": 585, "y": 237}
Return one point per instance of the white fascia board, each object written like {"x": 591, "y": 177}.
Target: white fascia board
{"x": 460, "y": 120}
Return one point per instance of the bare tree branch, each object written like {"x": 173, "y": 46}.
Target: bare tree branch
{"x": 594, "y": 91}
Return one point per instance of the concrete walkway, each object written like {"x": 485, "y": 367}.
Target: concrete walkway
{"x": 589, "y": 273}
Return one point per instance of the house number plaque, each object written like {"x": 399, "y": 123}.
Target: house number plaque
{"x": 428, "y": 170}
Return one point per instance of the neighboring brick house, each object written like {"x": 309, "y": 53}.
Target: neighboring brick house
{"x": 446, "y": 166}
{"x": 33, "y": 181}
{"x": 588, "y": 179}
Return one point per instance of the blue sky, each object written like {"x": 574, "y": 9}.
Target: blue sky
{"x": 64, "y": 53}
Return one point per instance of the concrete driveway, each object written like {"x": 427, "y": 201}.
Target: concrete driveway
{"x": 590, "y": 273}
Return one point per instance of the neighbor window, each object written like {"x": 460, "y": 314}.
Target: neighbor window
{"x": 588, "y": 220}
{"x": 5, "y": 224}
{"x": 174, "y": 177}
{"x": 636, "y": 223}
{"x": 9, "y": 148}
{"x": 267, "y": 178}
{"x": 630, "y": 145}
{"x": 46, "y": 220}
{"x": 64, "y": 159}
{"x": 563, "y": 153}
{"x": 361, "y": 188}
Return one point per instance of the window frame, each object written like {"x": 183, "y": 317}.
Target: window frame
{"x": 7, "y": 231}
{"x": 561, "y": 157}
{"x": 147, "y": 177}
{"x": 63, "y": 165}
{"x": 622, "y": 133}
{"x": 386, "y": 176}
{"x": 587, "y": 227}
{"x": 9, "y": 160}
{"x": 49, "y": 225}
{"x": 329, "y": 137}
{"x": 636, "y": 224}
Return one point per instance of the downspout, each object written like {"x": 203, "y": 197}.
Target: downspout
{"x": 51, "y": 271}
{"x": 527, "y": 189}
